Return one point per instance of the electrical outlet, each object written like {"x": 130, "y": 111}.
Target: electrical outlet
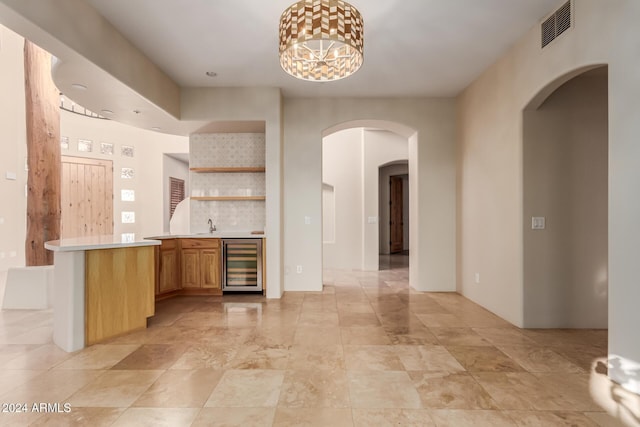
{"x": 298, "y": 269}
{"x": 307, "y": 220}
{"x": 477, "y": 277}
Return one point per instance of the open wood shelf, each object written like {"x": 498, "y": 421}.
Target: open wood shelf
{"x": 227, "y": 198}
{"x": 229, "y": 170}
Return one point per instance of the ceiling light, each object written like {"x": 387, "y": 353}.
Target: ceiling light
{"x": 321, "y": 40}
{"x": 78, "y": 86}
{"x": 156, "y": 128}
{"x": 106, "y": 112}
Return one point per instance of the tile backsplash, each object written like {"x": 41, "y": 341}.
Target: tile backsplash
{"x": 246, "y": 215}
{"x": 227, "y": 150}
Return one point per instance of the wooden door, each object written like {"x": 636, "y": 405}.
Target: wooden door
{"x": 395, "y": 214}
{"x": 86, "y": 196}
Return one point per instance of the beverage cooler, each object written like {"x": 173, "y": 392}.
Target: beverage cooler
{"x": 242, "y": 265}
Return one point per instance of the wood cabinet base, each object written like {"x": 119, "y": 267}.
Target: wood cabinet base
{"x": 119, "y": 291}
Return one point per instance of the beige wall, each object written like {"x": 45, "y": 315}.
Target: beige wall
{"x": 148, "y": 182}
{"x": 565, "y": 180}
{"x": 13, "y": 151}
{"x": 429, "y": 124}
{"x": 342, "y": 169}
{"x": 175, "y": 168}
{"x": 490, "y": 170}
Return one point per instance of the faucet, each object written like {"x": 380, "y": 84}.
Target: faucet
{"x": 212, "y": 226}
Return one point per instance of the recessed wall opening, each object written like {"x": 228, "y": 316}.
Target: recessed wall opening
{"x": 365, "y": 216}
{"x": 565, "y": 182}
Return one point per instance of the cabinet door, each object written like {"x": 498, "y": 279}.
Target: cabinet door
{"x": 169, "y": 279}
{"x": 191, "y": 273}
{"x": 210, "y": 263}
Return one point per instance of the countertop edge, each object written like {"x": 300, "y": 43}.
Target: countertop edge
{"x": 70, "y": 246}
{"x": 215, "y": 235}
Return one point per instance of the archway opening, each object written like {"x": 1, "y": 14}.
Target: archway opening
{"x": 357, "y": 157}
{"x": 565, "y": 203}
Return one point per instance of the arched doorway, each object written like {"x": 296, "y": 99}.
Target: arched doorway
{"x": 352, "y": 208}
{"x": 565, "y": 203}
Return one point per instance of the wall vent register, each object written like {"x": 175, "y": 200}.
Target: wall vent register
{"x": 556, "y": 24}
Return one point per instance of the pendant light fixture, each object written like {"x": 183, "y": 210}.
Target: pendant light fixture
{"x": 321, "y": 40}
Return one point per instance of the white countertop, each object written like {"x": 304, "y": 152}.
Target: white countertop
{"x": 215, "y": 235}
{"x": 109, "y": 241}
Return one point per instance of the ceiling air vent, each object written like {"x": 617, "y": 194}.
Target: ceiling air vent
{"x": 556, "y": 24}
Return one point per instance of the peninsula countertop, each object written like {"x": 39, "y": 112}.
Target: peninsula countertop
{"x": 108, "y": 241}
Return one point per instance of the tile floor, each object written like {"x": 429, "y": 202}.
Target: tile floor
{"x": 367, "y": 351}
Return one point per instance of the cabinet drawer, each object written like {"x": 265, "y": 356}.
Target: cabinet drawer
{"x": 200, "y": 243}
{"x": 169, "y": 244}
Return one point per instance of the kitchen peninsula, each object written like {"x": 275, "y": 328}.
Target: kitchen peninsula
{"x": 103, "y": 287}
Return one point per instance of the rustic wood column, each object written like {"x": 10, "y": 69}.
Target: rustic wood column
{"x": 43, "y": 155}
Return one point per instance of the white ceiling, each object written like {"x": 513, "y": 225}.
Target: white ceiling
{"x": 412, "y": 47}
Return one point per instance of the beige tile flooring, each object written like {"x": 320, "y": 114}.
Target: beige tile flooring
{"x": 367, "y": 351}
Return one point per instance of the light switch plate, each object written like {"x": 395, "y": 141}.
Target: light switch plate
{"x": 11, "y": 176}
{"x": 537, "y": 223}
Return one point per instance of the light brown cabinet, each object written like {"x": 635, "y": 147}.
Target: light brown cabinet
{"x": 118, "y": 291}
{"x": 190, "y": 268}
{"x": 168, "y": 268}
{"x": 201, "y": 265}
{"x": 211, "y": 274}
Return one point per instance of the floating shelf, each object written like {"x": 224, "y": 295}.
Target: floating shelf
{"x": 227, "y": 198}
{"x": 228, "y": 170}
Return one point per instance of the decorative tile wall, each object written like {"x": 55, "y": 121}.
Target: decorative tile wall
{"x": 227, "y": 150}
{"x": 246, "y": 215}
{"x": 227, "y": 184}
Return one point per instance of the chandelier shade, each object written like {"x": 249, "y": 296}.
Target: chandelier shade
{"x": 321, "y": 40}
